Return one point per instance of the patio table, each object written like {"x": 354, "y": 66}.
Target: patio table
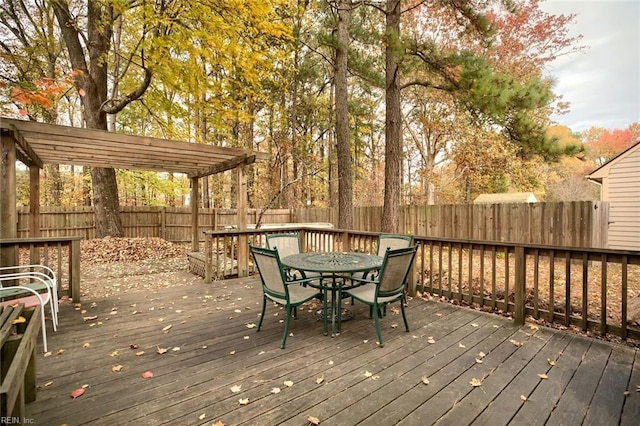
{"x": 334, "y": 268}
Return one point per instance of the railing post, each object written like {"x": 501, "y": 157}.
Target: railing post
{"x": 243, "y": 255}
{"x": 520, "y": 286}
{"x": 208, "y": 255}
{"x": 74, "y": 270}
{"x": 303, "y": 240}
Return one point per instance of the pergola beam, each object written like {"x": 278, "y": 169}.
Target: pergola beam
{"x": 225, "y": 165}
{"x": 25, "y": 147}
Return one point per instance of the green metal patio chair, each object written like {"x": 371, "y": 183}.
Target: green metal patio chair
{"x": 276, "y": 287}
{"x": 387, "y": 287}
{"x": 288, "y": 244}
{"x": 393, "y": 241}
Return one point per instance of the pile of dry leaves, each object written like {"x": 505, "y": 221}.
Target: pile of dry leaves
{"x": 111, "y": 249}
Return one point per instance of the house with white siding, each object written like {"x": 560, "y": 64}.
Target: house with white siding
{"x": 619, "y": 180}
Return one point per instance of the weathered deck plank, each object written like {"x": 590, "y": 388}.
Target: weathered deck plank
{"x": 217, "y": 351}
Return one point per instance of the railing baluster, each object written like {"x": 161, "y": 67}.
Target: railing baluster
{"x": 625, "y": 297}
{"x": 567, "y": 288}
{"x": 585, "y": 288}
{"x": 603, "y": 295}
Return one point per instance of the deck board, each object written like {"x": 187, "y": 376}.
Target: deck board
{"x": 217, "y": 350}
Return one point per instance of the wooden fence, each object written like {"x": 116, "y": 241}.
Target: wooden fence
{"x": 569, "y": 224}
{"x": 573, "y": 224}
{"x": 170, "y": 223}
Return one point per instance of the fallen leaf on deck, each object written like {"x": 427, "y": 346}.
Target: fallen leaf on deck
{"x": 425, "y": 380}
{"x": 479, "y": 361}
{"x": 474, "y": 325}
{"x": 175, "y": 348}
{"x": 49, "y": 383}
{"x": 202, "y": 416}
{"x": 551, "y": 362}
{"x": 475, "y": 382}
{"x": 244, "y": 401}
{"x": 133, "y": 346}
{"x": 319, "y": 380}
{"x": 147, "y": 374}
{"x": 219, "y": 423}
{"x": 524, "y": 398}
{"x": 543, "y": 376}
{"x": 91, "y": 318}
{"x": 117, "y": 368}
{"x": 167, "y": 328}
{"x": 368, "y": 374}
{"x": 76, "y": 393}
{"x": 114, "y": 353}
{"x": 460, "y": 345}
{"x": 60, "y": 351}
{"x": 236, "y": 388}
{"x": 516, "y": 343}
{"x": 86, "y": 345}
{"x": 139, "y": 353}
{"x": 161, "y": 350}
{"x": 430, "y": 340}
{"x": 275, "y": 390}
{"x": 19, "y": 320}
{"x": 288, "y": 383}
{"x": 482, "y": 354}
{"x": 313, "y": 420}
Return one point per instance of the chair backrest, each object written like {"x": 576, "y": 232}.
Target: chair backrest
{"x": 287, "y": 244}
{"x": 395, "y": 269}
{"x": 393, "y": 241}
{"x": 270, "y": 269}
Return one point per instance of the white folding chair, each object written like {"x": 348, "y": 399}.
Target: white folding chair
{"x": 46, "y": 275}
{"x": 24, "y": 293}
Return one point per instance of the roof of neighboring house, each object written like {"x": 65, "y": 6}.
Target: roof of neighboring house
{"x": 603, "y": 170}
{"x": 507, "y": 197}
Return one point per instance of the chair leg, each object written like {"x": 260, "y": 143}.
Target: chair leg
{"x": 325, "y": 313}
{"x": 404, "y": 315}
{"x": 286, "y": 326}
{"x": 376, "y": 322}
{"x": 264, "y": 306}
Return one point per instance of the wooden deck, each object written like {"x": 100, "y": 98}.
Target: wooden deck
{"x": 345, "y": 380}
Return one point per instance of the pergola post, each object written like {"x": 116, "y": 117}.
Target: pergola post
{"x": 34, "y": 209}
{"x": 195, "y": 237}
{"x": 8, "y": 212}
{"x": 242, "y": 207}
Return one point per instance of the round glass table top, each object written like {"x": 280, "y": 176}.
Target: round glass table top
{"x": 333, "y": 262}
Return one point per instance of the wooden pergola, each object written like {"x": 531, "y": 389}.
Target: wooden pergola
{"x": 36, "y": 144}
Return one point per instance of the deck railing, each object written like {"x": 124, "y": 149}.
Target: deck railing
{"x": 62, "y": 254}
{"x": 593, "y": 290}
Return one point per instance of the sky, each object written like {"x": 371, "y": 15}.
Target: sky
{"x": 602, "y": 84}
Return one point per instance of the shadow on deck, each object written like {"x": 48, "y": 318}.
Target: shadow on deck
{"x": 525, "y": 375}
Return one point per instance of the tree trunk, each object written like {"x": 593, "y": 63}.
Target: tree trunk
{"x": 345, "y": 162}
{"x": 91, "y": 80}
{"x": 393, "y": 127}
{"x": 107, "y": 207}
